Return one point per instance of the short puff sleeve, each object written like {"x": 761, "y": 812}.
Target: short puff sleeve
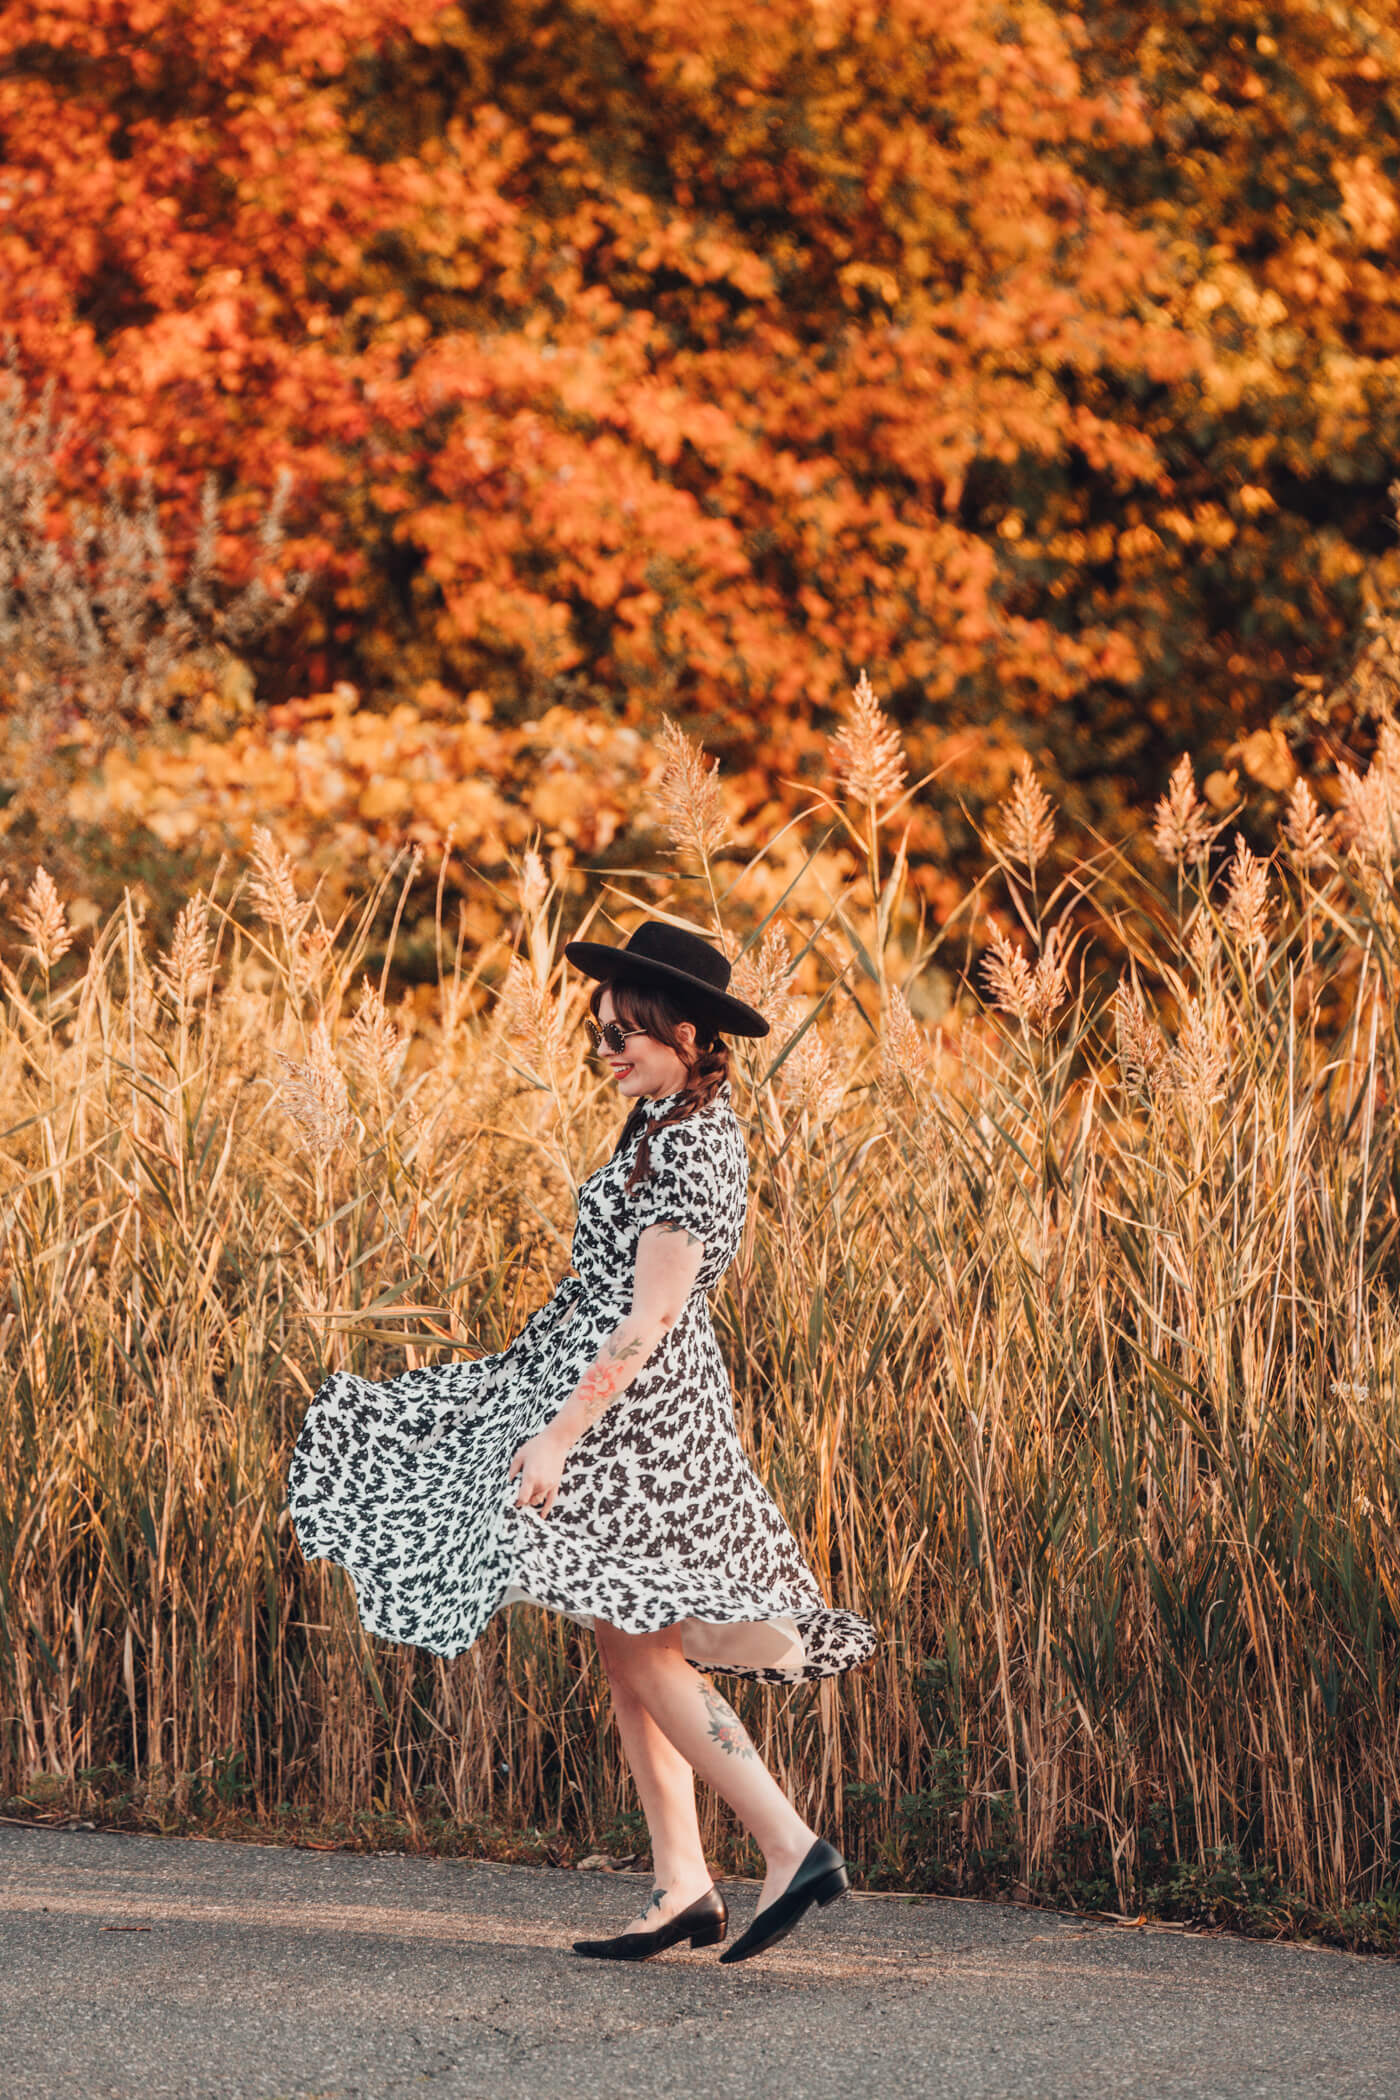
{"x": 679, "y": 1189}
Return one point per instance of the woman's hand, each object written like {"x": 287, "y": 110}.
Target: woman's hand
{"x": 540, "y": 1462}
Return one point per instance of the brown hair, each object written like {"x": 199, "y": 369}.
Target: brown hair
{"x": 643, "y": 1003}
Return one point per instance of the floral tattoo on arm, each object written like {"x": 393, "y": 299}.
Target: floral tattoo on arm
{"x": 619, "y": 1360}
{"x": 602, "y": 1381}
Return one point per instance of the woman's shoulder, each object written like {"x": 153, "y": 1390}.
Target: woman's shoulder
{"x": 712, "y": 1130}
{"x": 717, "y": 1112}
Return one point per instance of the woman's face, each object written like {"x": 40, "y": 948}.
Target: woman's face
{"x": 646, "y": 1067}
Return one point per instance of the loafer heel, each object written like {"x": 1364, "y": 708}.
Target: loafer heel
{"x": 709, "y": 1935}
{"x": 820, "y": 1879}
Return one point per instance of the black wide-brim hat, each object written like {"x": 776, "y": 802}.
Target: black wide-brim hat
{"x": 676, "y": 958}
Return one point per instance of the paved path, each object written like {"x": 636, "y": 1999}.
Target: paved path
{"x": 268, "y": 1973}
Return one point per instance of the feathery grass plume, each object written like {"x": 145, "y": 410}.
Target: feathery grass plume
{"x": 1050, "y": 984}
{"x": 904, "y": 1053}
{"x": 534, "y": 883}
{"x": 1198, "y": 1061}
{"x": 186, "y": 970}
{"x": 1027, "y": 829}
{"x": 1009, "y": 976}
{"x": 1305, "y": 828}
{"x": 1202, "y": 947}
{"x": 375, "y": 1046}
{"x": 315, "y": 1096}
{"x": 866, "y": 750}
{"x": 1030, "y": 994}
{"x": 1181, "y": 827}
{"x": 689, "y": 796}
{"x": 1363, "y": 817}
{"x": 807, "y": 1079}
{"x": 1370, "y": 812}
{"x": 533, "y": 888}
{"x": 1141, "y": 1051}
{"x": 1247, "y": 910}
{"x": 44, "y": 917}
{"x": 311, "y": 958}
{"x": 763, "y": 981}
{"x": 272, "y": 886}
{"x": 530, "y": 1016}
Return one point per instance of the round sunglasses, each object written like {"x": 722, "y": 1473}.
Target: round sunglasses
{"x": 609, "y": 1035}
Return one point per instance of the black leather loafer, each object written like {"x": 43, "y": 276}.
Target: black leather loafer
{"x": 821, "y": 1878}
{"x": 703, "y": 1922}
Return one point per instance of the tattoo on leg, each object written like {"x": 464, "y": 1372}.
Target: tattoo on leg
{"x": 726, "y": 1728}
{"x": 654, "y": 1901}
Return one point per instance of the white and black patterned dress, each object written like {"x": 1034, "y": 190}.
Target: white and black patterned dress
{"x": 659, "y": 1518}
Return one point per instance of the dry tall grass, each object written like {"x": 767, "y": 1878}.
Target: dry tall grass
{"x": 1066, "y": 1338}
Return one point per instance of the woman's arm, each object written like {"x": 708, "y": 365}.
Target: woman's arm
{"x": 668, "y": 1261}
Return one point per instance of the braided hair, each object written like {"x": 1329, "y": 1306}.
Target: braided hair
{"x": 640, "y": 1003}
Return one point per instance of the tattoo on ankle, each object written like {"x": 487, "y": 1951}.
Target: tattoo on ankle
{"x": 726, "y": 1728}
{"x": 654, "y": 1901}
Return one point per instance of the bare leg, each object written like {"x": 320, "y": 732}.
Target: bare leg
{"x": 666, "y": 1788}
{"x": 710, "y": 1737}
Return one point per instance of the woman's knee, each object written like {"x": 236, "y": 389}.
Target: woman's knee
{"x": 627, "y": 1655}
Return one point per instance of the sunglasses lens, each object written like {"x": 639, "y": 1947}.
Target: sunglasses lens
{"x": 611, "y": 1035}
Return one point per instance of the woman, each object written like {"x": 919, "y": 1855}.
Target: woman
{"x": 593, "y": 1466}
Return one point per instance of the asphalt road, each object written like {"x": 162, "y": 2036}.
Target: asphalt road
{"x": 136, "y": 1968}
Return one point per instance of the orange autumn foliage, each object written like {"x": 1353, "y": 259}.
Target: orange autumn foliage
{"x": 630, "y": 355}
{"x": 327, "y": 767}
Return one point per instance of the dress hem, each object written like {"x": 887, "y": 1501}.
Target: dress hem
{"x": 782, "y": 1650}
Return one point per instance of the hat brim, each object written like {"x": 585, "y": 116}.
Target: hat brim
{"x": 730, "y": 1016}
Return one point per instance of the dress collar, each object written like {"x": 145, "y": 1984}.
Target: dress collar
{"x": 643, "y": 1114}
{"x": 667, "y": 1101}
